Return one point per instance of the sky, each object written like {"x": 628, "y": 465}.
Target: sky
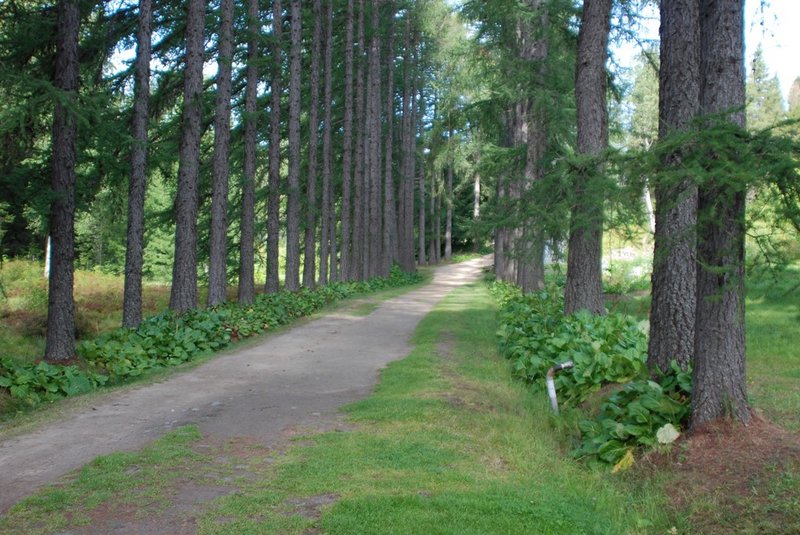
{"x": 777, "y": 31}
{"x": 771, "y": 23}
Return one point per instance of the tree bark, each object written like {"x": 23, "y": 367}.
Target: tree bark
{"x": 719, "y": 380}
{"x": 406, "y": 207}
{"x": 310, "y": 253}
{"x": 134, "y": 252}
{"x": 328, "y": 225}
{"x": 218, "y": 254}
{"x": 375, "y": 220}
{"x": 246, "y": 246}
{"x": 60, "y": 341}
{"x": 448, "y": 226}
{"x": 359, "y": 238}
{"x": 274, "y": 194}
{"x": 183, "y": 296}
{"x": 347, "y": 149}
{"x": 421, "y": 260}
{"x": 390, "y": 238}
{"x": 674, "y": 280}
{"x": 437, "y": 225}
{"x": 292, "y": 278}
{"x": 584, "y": 287}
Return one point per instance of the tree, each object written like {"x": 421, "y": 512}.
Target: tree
{"x": 644, "y": 117}
{"x": 218, "y": 254}
{"x": 328, "y": 226}
{"x": 672, "y": 310}
{"x": 358, "y": 240}
{"x": 347, "y": 149}
{"x": 183, "y": 294}
{"x": 584, "y": 288}
{"x": 372, "y": 185}
{"x": 60, "y": 343}
{"x": 406, "y": 205}
{"x": 274, "y": 194}
{"x": 794, "y": 99}
{"x": 292, "y": 279}
{"x": 310, "y": 253}
{"x": 764, "y": 100}
{"x": 247, "y": 232}
{"x": 719, "y": 387}
{"x": 134, "y": 252}
{"x": 390, "y": 233}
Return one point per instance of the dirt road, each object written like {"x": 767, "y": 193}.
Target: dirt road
{"x": 297, "y": 378}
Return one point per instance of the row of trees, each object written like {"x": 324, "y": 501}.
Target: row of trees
{"x": 357, "y": 133}
{"x": 308, "y": 133}
{"x": 554, "y": 165}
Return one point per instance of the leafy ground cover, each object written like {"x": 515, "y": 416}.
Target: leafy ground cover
{"x": 165, "y": 340}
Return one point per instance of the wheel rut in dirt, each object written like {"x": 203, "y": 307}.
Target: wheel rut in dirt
{"x": 298, "y": 378}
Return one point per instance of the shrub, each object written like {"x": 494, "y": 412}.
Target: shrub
{"x": 643, "y": 414}
{"x": 535, "y": 335}
{"x": 43, "y": 382}
{"x": 168, "y": 339}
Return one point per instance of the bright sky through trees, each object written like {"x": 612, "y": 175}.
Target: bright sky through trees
{"x": 771, "y": 23}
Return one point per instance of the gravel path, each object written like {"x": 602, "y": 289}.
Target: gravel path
{"x": 297, "y": 378}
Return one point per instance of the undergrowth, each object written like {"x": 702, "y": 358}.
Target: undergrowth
{"x": 167, "y": 340}
{"x": 535, "y": 335}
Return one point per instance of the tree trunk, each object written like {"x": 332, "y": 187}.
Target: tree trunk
{"x": 535, "y": 50}
{"x": 310, "y": 253}
{"x": 328, "y": 225}
{"x": 292, "y": 278}
{"x": 421, "y": 213}
{"x": 476, "y": 207}
{"x": 390, "y": 238}
{"x": 246, "y": 246}
{"x": 357, "y": 256}
{"x": 375, "y": 221}
{"x": 584, "y": 287}
{"x": 437, "y": 224}
{"x": 274, "y": 199}
{"x": 719, "y": 381}
{"x": 218, "y": 255}
{"x": 672, "y": 310}
{"x": 60, "y": 344}
{"x": 406, "y": 207}
{"x": 183, "y": 296}
{"x": 448, "y": 226}
{"x": 500, "y": 231}
{"x": 134, "y": 252}
{"x": 347, "y": 149}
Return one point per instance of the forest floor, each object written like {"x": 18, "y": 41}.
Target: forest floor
{"x": 260, "y": 394}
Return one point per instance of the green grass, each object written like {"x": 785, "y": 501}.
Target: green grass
{"x": 448, "y": 443}
{"x": 773, "y": 346}
{"x": 126, "y": 479}
{"x": 773, "y": 342}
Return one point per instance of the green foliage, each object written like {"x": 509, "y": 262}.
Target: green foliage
{"x": 632, "y": 417}
{"x": 535, "y": 335}
{"x": 168, "y": 340}
{"x": 43, "y": 382}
